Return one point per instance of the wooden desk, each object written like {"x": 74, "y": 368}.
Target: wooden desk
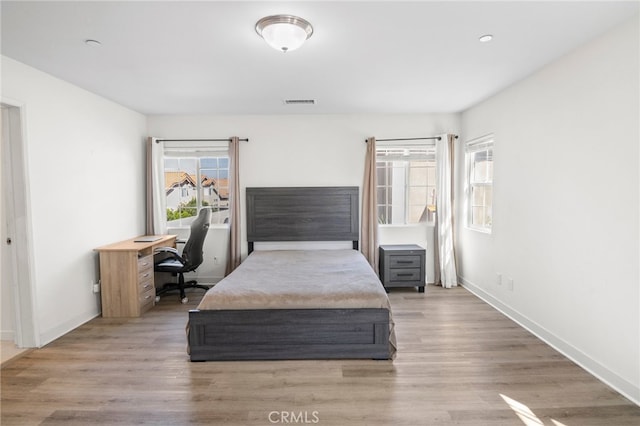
{"x": 126, "y": 275}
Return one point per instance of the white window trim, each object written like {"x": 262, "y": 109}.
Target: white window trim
{"x": 192, "y": 149}
{"x": 472, "y": 146}
{"x": 406, "y": 145}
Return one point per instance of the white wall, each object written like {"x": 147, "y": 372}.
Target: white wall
{"x": 311, "y": 150}
{"x": 85, "y": 158}
{"x": 566, "y": 209}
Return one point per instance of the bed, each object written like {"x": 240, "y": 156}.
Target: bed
{"x": 296, "y": 304}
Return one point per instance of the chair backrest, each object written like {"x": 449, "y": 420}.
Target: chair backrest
{"x": 192, "y": 251}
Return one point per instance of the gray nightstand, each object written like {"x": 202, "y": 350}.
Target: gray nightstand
{"x": 402, "y": 265}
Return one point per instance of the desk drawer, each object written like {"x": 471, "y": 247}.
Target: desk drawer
{"x": 409, "y": 274}
{"x": 145, "y": 263}
{"x": 147, "y": 298}
{"x": 404, "y": 261}
{"x": 145, "y": 276}
{"x": 146, "y": 285}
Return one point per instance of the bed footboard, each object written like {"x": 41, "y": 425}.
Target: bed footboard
{"x": 278, "y": 334}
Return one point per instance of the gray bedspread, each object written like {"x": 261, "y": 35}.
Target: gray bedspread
{"x": 301, "y": 279}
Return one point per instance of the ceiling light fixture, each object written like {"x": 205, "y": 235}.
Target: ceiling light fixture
{"x": 485, "y": 38}
{"x": 284, "y": 32}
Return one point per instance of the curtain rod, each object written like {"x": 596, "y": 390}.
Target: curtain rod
{"x": 412, "y": 139}
{"x": 199, "y": 140}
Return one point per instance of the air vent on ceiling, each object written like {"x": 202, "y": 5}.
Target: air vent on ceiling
{"x": 299, "y": 101}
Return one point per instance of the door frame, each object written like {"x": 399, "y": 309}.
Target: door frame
{"x": 18, "y": 210}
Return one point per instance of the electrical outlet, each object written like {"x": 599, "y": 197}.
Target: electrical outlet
{"x": 510, "y": 284}
{"x": 499, "y": 278}
{"x": 215, "y": 260}
{"x": 96, "y": 287}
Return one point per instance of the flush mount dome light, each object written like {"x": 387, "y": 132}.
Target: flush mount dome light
{"x": 284, "y": 32}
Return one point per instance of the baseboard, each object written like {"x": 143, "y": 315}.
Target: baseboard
{"x": 60, "y": 330}
{"x": 209, "y": 280}
{"x": 602, "y": 373}
{"x": 204, "y": 279}
{"x": 8, "y": 335}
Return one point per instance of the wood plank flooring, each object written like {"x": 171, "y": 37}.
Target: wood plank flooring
{"x": 459, "y": 362}
{"x": 9, "y": 350}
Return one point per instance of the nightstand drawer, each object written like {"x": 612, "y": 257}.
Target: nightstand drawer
{"x": 404, "y": 261}
{"x": 409, "y": 274}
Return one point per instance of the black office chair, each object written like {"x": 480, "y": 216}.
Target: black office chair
{"x": 191, "y": 258}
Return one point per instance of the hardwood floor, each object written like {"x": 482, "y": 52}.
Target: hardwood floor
{"x": 459, "y": 362}
{"x": 9, "y": 350}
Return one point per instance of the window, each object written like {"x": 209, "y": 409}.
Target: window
{"x": 479, "y": 156}
{"x": 195, "y": 179}
{"x": 406, "y": 187}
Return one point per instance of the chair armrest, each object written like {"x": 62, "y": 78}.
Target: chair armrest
{"x": 167, "y": 250}
{"x": 172, "y": 252}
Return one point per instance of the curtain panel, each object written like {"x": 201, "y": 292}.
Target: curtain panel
{"x": 369, "y": 226}
{"x": 156, "y": 217}
{"x": 234, "y": 256}
{"x": 444, "y": 253}
{"x": 148, "y": 221}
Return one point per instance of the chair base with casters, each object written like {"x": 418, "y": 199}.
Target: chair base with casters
{"x": 175, "y": 265}
{"x": 181, "y": 286}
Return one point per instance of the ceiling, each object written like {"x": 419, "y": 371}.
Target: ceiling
{"x": 204, "y": 57}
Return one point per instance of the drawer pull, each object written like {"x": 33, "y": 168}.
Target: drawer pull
{"x": 404, "y": 261}
{"x": 145, "y": 264}
{"x": 146, "y": 275}
{"x": 147, "y": 297}
{"x": 404, "y": 275}
{"x": 147, "y": 285}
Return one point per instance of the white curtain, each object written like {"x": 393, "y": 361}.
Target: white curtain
{"x": 156, "y": 200}
{"x": 445, "y": 259}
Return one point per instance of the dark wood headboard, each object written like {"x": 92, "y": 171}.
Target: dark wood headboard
{"x": 302, "y": 214}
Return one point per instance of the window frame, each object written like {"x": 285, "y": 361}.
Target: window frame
{"x": 196, "y": 150}
{"x": 430, "y": 148}
{"x": 472, "y": 147}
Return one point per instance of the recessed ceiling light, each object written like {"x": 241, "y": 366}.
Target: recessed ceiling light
{"x": 91, "y": 42}
{"x": 485, "y": 38}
